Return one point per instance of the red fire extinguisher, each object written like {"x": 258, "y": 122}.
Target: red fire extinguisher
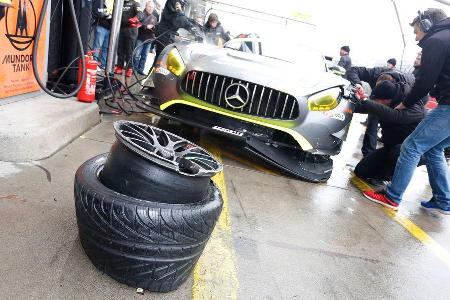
{"x": 87, "y": 91}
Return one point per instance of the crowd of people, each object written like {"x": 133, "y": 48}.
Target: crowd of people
{"x": 410, "y": 136}
{"x": 138, "y": 29}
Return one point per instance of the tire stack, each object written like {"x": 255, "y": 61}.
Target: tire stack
{"x": 146, "y": 210}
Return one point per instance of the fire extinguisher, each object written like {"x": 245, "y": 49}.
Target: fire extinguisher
{"x": 87, "y": 91}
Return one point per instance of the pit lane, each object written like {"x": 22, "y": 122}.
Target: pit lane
{"x": 279, "y": 238}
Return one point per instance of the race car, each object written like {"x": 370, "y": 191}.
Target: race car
{"x": 281, "y": 101}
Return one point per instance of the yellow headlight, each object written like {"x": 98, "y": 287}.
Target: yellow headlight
{"x": 325, "y": 100}
{"x": 175, "y": 63}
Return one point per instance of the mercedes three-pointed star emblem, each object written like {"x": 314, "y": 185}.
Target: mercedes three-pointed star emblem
{"x": 236, "y": 95}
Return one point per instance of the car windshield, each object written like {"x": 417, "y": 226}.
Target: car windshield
{"x": 305, "y": 56}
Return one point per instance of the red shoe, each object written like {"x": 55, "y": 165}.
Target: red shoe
{"x": 380, "y": 198}
{"x": 118, "y": 70}
{"x": 129, "y": 72}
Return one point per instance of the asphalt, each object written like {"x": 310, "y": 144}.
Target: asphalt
{"x": 289, "y": 239}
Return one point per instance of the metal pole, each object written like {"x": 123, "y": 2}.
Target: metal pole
{"x": 114, "y": 35}
{"x": 401, "y": 30}
{"x": 443, "y": 2}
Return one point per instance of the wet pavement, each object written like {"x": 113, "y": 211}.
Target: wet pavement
{"x": 288, "y": 239}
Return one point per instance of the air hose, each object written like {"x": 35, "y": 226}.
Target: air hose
{"x": 51, "y": 92}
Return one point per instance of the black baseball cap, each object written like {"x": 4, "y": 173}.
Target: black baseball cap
{"x": 384, "y": 90}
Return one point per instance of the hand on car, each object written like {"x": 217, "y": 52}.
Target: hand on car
{"x": 359, "y": 92}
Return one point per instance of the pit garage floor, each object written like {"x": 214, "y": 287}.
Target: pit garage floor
{"x": 278, "y": 238}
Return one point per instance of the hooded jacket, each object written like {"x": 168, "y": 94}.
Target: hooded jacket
{"x": 434, "y": 71}
{"x": 403, "y": 81}
{"x": 396, "y": 125}
{"x": 213, "y": 34}
{"x": 171, "y": 21}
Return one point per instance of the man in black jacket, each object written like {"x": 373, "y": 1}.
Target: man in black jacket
{"x": 432, "y": 135}
{"x": 372, "y": 76}
{"x": 172, "y": 19}
{"x": 396, "y": 125}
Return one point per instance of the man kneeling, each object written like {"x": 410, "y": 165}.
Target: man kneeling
{"x": 396, "y": 125}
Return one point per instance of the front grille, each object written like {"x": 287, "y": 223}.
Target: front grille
{"x": 263, "y": 101}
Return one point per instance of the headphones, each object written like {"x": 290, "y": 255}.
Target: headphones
{"x": 424, "y": 22}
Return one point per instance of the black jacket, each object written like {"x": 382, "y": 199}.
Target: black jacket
{"x": 99, "y": 11}
{"x": 396, "y": 125}
{"x": 130, "y": 9}
{"x": 144, "y": 32}
{"x": 434, "y": 68}
{"x": 404, "y": 81}
{"x": 171, "y": 21}
{"x": 213, "y": 34}
{"x": 345, "y": 62}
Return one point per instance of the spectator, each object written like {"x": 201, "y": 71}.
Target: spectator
{"x": 417, "y": 64}
{"x": 102, "y": 31}
{"x": 372, "y": 76}
{"x": 199, "y": 20}
{"x": 396, "y": 126}
{"x": 391, "y": 63}
{"x": 172, "y": 19}
{"x": 432, "y": 136}
{"x": 127, "y": 36}
{"x": 157, "y": 10}
{"x": 215, "y": 34}
{"x": 145, "y": 32}
{"x": 345, "y": 60}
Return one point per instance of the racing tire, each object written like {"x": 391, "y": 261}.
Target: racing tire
{"x": 152, "y": 164}
{"x": 141, "y": 243}
{"x": 130, "y": 174}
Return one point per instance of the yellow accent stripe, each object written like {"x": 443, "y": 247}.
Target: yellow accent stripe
{"x": 421, "y": 235}
{"x": 215, "y": 275}
{"x": 409, "y": 225}
{"x": 297, "y": 136}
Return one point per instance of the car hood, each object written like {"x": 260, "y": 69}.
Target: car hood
{"x": 271, "y": 72}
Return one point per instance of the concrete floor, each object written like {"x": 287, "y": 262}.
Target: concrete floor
{"x": 290, "y": 239}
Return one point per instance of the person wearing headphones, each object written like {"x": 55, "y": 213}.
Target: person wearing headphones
{"x": 432, "y": 135}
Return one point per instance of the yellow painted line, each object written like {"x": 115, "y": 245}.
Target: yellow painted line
{"x": 410, "y": 226}
{"x": 421, "y": 235}
{"x": 215, "y": 275}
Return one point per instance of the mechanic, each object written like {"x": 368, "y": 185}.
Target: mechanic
{"x": 127, "y": 36}
{"x": 345, "y": 61}
{"x": 215, "y": 34}
{"x": 145, "y": 32}
{"x": 101, "y": 10}
{"x": 371, "y": 76}
{"x": 396, "y": 126}
{"x": 432, "y": 136}
{"x": 172, "y": 19}
{"x": 391, "y": 63}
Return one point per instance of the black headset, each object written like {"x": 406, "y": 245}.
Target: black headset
{"x": 424, "y": 22}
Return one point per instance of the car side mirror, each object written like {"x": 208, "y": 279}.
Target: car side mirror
{"x": 338, "y": 70}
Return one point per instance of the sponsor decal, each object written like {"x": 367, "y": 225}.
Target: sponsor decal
{"x": 336, "y": 116}
{"x": 161, "y": 70}
{"x": 229, "y": 131}
{"x": 17, "y": 35}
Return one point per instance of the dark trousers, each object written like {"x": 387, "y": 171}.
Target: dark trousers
{"x": 370, "y": 136}
{"x": 127, "y": 41}
{"x": 379, "y": 164}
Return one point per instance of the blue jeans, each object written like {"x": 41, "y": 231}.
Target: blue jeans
{"x": 141, "y": 55}
{"x": 101, "y": 43}
{"x": 429, "y": 139}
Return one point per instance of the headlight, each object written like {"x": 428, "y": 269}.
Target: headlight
{"x": 174, "y": 62}
{"x": 325, "y": 100}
